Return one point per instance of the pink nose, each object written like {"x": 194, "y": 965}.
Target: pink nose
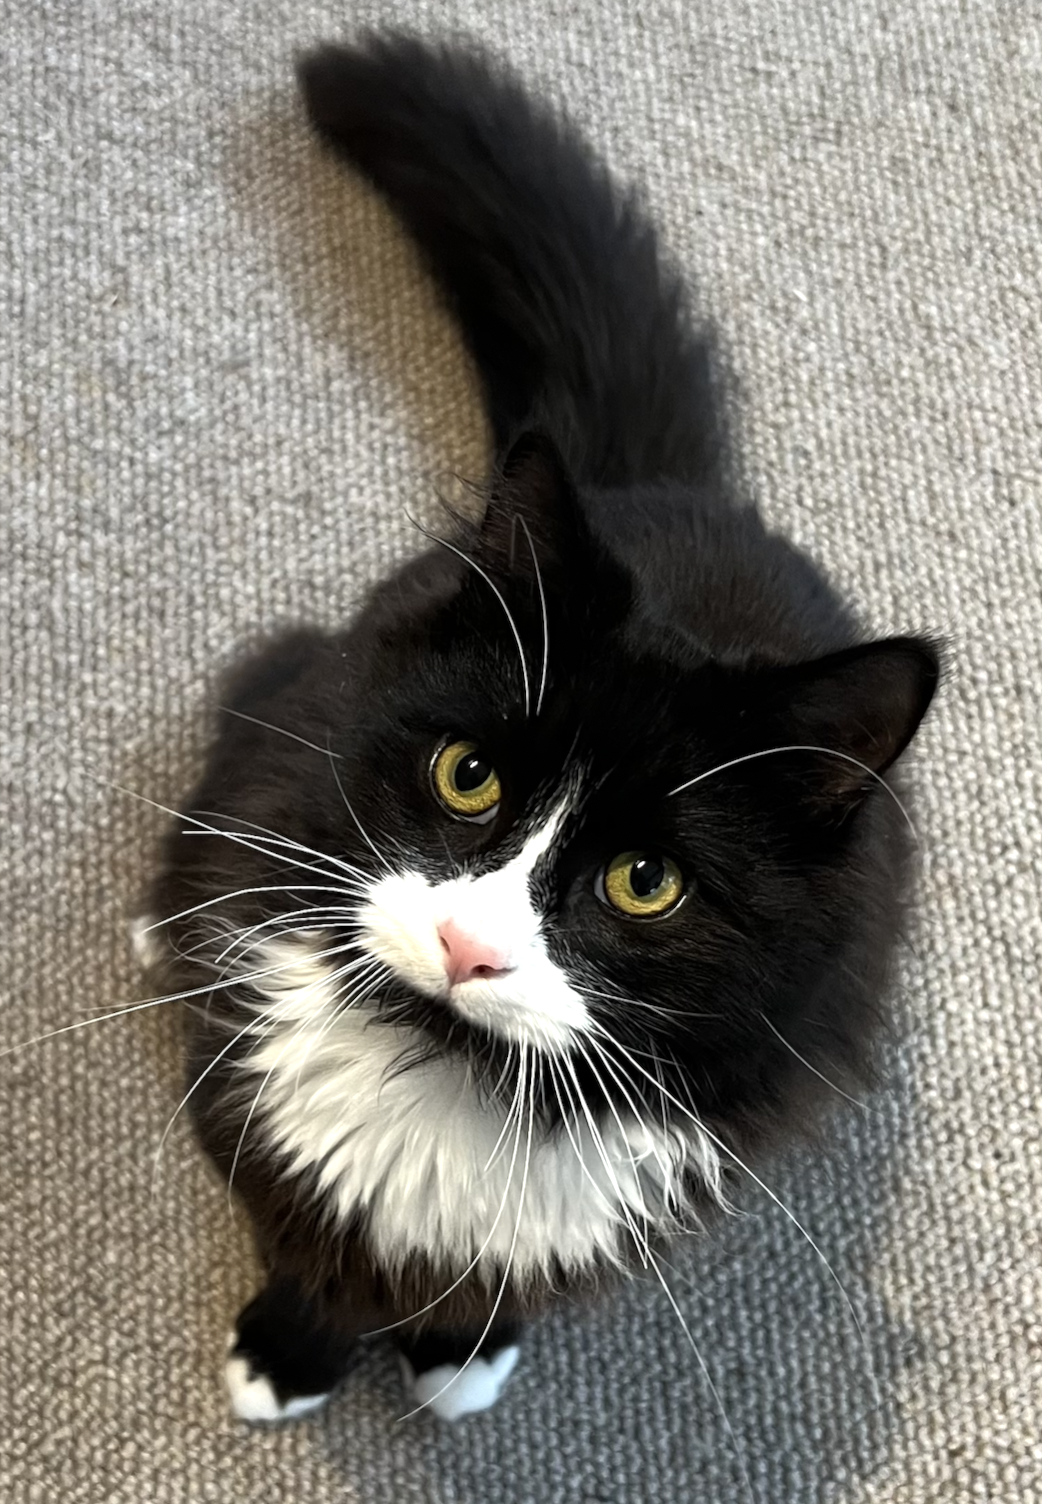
{"x": 466, "y": 958}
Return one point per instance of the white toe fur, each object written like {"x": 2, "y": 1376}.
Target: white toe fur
{"x": 145, "y": 941}
{"x": 451, "y": 1392}
{"x": 254, "y": 1399}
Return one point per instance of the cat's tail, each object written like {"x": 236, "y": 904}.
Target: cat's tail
{"x": 576, "y": 325}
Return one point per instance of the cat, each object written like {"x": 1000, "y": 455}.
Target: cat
{"x": 524, "y": 912}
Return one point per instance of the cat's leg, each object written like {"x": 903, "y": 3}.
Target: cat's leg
{"x": 283, "y": 1360}
{"x": 457, "y": 1373}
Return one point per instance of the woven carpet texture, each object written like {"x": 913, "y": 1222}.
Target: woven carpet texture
{"x": 223, "y": 378}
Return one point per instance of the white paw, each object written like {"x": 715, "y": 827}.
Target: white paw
{"x": 451, "y": 1392}
{"x": 145, "y": 941}
{"x": 254, "y": 1399}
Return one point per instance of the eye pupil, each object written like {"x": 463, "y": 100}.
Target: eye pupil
{"x": 471, "y": 772}
{"x": 647, "y": 875}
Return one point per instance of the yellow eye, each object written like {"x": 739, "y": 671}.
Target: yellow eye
{"x": 643, "y": 885}
{"x": 465, "y": 781}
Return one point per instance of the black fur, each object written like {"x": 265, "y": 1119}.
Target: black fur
{"x": 683, "y": 635}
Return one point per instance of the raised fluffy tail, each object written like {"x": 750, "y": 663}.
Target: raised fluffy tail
{"x": 576, "y": 326}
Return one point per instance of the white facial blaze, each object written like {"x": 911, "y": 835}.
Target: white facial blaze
{"x": 534, "y": 1002}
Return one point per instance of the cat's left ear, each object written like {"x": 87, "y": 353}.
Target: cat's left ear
{"x": 863, "y": 705}
{"x": 533, "y": 512}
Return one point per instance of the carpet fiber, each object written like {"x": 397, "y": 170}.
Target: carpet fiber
{"x": 223, "y": 376}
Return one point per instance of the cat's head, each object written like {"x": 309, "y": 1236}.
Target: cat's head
{"x": 583, "y": 831}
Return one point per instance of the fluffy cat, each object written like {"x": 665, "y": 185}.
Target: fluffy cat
{"x": 524, "y": 912}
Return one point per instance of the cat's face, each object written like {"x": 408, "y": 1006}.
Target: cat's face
{"x": 536, "y": 872}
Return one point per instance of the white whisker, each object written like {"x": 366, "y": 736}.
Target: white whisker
{"x": 367, "y": 978}
{"x": 227, "y": 835}
{"x": 209, "y": 903}
{"x": 156, "y": 1002}
{"x": 444, "y": 543}
{"x": 528, "y": 1075}
{"x": 515, "y": 1107}
{"x": 774, "y": 751}
{"x": 279, "y": 730}
{"x": 324, "y": 918}
{"x": 813, "y": 1069}
{"x": 624, "y": 1210}
{"x": 303, "y": 1024}
{"x": 506, "y": 1122}
{"x": 726, "y": 1149}
{"x": 260, "y": 1027}
{"x": 384, "y": 863}
{"x": 708, "y": 1378}
{"x": 273, "y": 838}
{"x": 626, "y": 1085}
{"x": 546, "y": 621}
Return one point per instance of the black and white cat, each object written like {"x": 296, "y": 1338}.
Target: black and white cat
{"x": 520, "y": 914}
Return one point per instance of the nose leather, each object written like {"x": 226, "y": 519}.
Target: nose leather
{"x": 467, "y": 958}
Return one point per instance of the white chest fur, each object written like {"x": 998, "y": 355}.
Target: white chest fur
{"x": 435, "y": 1168}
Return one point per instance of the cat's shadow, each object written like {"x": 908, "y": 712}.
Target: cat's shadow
{"x": 612, "y": 1407}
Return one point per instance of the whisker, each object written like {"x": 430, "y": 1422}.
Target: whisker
{"x": 227, "y": 835}
{"x": 506, "y": 1123}
{"x": 624, "y": 1209}
{"x": 366, "y": 979}
{"x": 260, "y": 1092}
{"x": 444, "y": 543}
{"x": 546, "y": 622}
{"x": 255, "y": 1026}
{"x": 813, "y": 1069}
{"x": 279, "y": 730}
{"x": 209, "y": 903}
{"x": 515, "y": 1107}
{"x": 385, "y": 864}
{"x": 274, "y": 838}
{"x": 261, "y": 1026}
{"x": 625, "y": 1083}
{"x": 826, "y": 751}
{"x": 170, "y": 997}
{"x": 636, "y": 1002}
{"x": 708, "y": 1378}
{"x": 331, "y": 917}
{"x": 254, "y": 1104}
{"x": 529, "y": 1077}
{"x": 558, "y": 1083}
{"x": 726, "y": 1149}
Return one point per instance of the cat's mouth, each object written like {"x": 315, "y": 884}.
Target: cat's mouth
{"x": 500, "y": 1009}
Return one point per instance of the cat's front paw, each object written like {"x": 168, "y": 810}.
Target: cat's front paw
{"x": 257, "y": 1396}
{"x": 283, "y": 1360}
{"x": 443, "y": 1377}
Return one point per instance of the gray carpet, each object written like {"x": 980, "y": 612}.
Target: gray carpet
{"x": 222, "y": 378}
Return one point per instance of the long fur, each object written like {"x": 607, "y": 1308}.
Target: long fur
{"x": 628, "y": 649}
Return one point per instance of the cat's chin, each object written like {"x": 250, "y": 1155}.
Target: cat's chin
{"x": 442, "y": 1028}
